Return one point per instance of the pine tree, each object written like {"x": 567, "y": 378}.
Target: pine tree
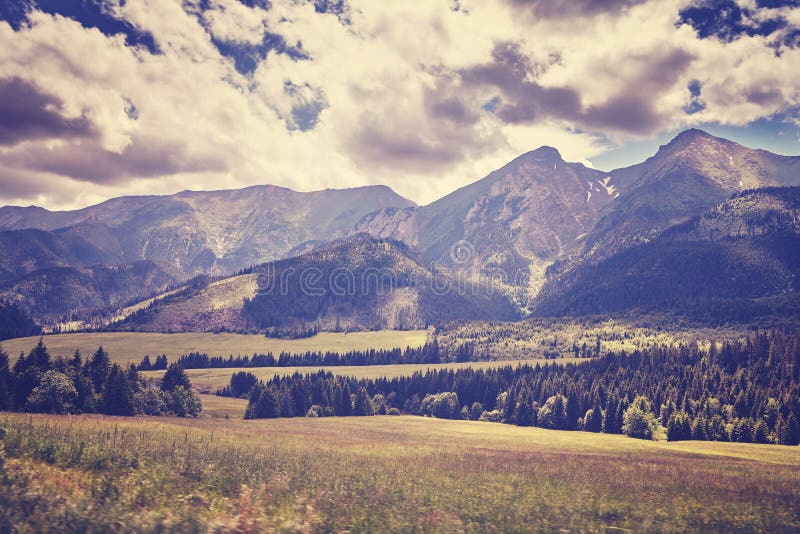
{"x": 611, "y": 423}
{"x": 679, "y": 427}
{"x": 267, "y": 403}
{"x": 117, "y": 398}
{"x": 99, "y": 367}
{"x": 363, "y": 405}
{"x": 761, "y": 432}
{"x": 39, "y": 357}
{"x": 175, "y": 377}
{"x": 790, "y": 431}
{"x": 6, "y": 392}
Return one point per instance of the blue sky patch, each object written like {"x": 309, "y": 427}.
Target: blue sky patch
{"x": 89, "y": 13}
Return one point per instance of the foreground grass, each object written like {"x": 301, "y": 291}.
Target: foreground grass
{"x": 210, "y": 380}
{"x": 130, "y": 347}
{"x": 380, "y": 474}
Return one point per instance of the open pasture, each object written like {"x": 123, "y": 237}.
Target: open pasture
{"x": 131, "y": 347}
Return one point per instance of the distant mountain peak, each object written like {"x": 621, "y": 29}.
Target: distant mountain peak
{"x": 693, "y": 137}
{"x": 546, "y": 153}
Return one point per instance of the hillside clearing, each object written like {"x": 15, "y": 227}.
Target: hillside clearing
{"x": 131, "y": 347}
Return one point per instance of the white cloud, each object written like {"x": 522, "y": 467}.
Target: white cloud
{"x": 394, "y": 107}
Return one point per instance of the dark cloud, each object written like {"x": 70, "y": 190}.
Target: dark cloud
{"x": 89, "y": 13}
{"x": 28, "y": 113}
{"x": 87, "y": 161}
{"x": 727, "y": 21}
{"x": 406, "y": 150}
{"x": 21, "y": 185}
{"x": 452, "y": 109}
{"x": 763, "y": 96}
{"x": 557, "y": 9}
{"x": 632, "y": 110}
{"x": 526, "y": 101}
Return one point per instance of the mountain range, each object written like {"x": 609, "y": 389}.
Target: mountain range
{"x": 547, "y": 235}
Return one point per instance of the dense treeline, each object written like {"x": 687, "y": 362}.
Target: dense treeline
{"x": 735, "y": 392}
{"x": 39, "y": 383}
{"x": 14, "y": 322}
{"x": 428, "y": 353}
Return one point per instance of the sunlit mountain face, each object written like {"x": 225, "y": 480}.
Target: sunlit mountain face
{"x": 102, "y": 99}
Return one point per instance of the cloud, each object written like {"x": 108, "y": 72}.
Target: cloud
{"x": 86, "y": 161}
{"x": 422, "y": 96}
{"x": 573, "y": 8}
{"x": 27, "y": 113}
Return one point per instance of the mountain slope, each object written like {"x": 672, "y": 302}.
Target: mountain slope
{"x": 355, "y": 283}
{"x": 740, "y": 259}
{"x": 693, "y": 173}
{"x": 508, "y": 226}
{"x": 214, "y": 232}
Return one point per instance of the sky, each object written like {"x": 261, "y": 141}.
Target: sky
{"x": 104, "y": 98}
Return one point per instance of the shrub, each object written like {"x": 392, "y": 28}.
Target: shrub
{"x": 55, "y": 394}
{"x": 639, "y": 421}
{"x": 442, "y": 405}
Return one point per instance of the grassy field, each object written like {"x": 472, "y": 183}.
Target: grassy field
{"x": 388, "y": 474}
{"x": 211, "y": 380}
{"x": 215, "y": 407}
{"x": 130, "y": 347}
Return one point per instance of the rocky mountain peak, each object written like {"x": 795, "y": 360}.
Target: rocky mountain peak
{"x": 545, "y": 153}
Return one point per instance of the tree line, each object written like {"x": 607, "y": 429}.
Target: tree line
{"x": 428, "y": 353}
{"x": 747, "y": 392}
{"x": 39, "y": 383}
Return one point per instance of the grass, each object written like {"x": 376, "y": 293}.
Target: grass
{"x": 395, "y": 474}
{"x": 130, "y": 347}
{"x": 213, "y": 379}
{"x": 215, "y": 407}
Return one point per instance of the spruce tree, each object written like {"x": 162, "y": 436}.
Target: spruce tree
{"x": 790, "y": 431}
{"x": 99, "y": 367}
{"x": 117, "y": 398}
{"x": 6, "y": 393}
{"x": 175, "y": 377}
{"x": 363, "y": 404}
{"x": 679, "y": 427}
